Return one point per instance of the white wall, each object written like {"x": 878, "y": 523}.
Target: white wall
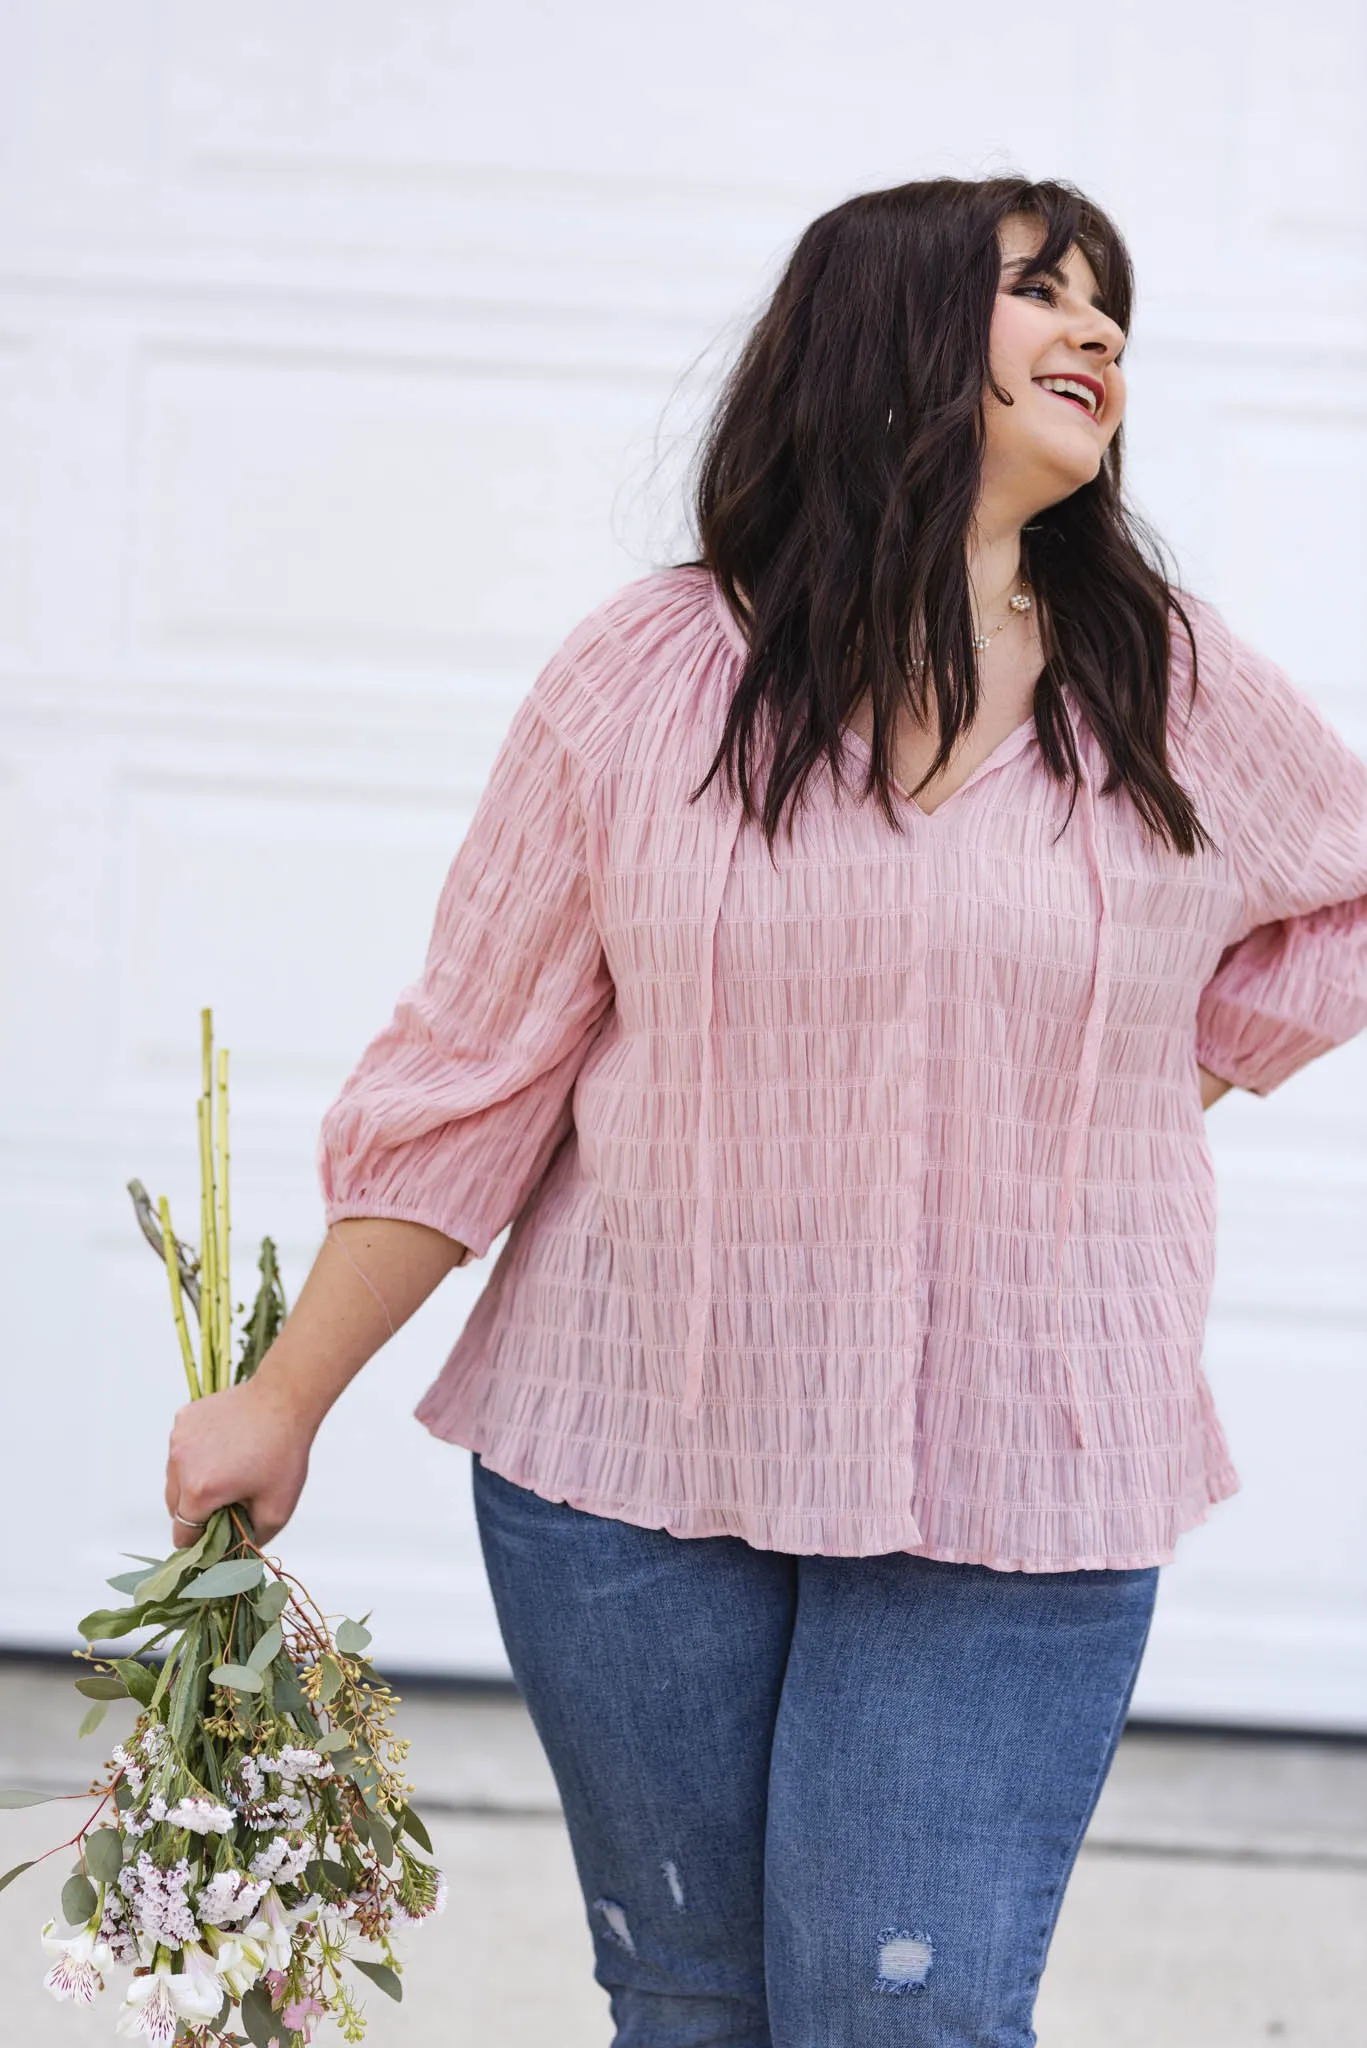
{"x": 334, "y": 339}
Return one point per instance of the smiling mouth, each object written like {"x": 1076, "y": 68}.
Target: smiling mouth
{"x": 1087, "y": 393}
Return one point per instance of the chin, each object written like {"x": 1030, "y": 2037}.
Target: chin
{"x": 1065, "y": 470}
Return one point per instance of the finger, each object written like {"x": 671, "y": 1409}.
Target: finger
{"x": 269, "y": 1513}
{"x": 188, "y": 1522}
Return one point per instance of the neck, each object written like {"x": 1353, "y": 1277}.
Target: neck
{"x": 994, "y": 572}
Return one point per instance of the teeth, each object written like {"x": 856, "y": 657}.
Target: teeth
{"x": 1070, "y": 388}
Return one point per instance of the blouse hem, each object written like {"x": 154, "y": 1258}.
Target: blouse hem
{"x": 1223, "y": 1483}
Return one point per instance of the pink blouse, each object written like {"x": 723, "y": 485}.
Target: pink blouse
{"x": 861, "y": 1199}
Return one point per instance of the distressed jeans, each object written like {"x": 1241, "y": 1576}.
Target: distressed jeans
{"x": 814, "y": 1802}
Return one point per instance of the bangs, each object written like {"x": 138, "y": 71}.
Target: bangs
{"x": 1070, "y": 220}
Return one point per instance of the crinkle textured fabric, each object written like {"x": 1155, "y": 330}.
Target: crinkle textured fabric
{"x": 861, "y": 1199}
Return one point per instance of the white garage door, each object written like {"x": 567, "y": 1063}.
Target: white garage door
{"x": 333, "y": 343}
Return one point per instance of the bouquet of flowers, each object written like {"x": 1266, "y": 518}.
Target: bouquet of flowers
{"x": 253, "y": 1834}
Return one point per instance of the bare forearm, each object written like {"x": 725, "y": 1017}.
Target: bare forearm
{"x": 369, "y": 1277}
{"x": 251, "y": 1442}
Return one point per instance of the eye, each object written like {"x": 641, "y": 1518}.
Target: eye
{"x": 1039, "y": 286}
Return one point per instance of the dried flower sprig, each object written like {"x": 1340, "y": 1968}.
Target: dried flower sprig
{"x": 255, "y": 1832}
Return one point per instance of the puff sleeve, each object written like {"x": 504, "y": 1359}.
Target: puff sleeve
{"x": 456, "y": 1107}
{"x": 1292, "y": 982}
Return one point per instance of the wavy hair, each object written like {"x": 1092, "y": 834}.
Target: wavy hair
{"x": 836, "y": 485}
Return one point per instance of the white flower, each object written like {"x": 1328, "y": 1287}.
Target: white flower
{"x": 272, "y": 1932}
{"x": 229, "y": 1897}
{"x": 238, "y": 1962}
{"x": 202, "y": 1816}
{"x": 132, "y": 1770}
{"x": 297, "y": 1763}
{"x": 152, "y": 1814}
{"x": 155, "y": 2004}
{"x": 157, "y": 1899}
{"x": 281, "y": 1861}
{"x": 81, "y": 1959}
{"x": 252, "y": 1778}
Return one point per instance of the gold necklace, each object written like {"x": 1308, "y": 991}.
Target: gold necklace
{"x": 1020, "y": 602}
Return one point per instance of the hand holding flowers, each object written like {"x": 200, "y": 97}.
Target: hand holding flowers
{"x": 254, "y": 1834}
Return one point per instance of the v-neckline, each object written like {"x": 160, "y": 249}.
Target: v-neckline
{"x": 1009, "y": 744}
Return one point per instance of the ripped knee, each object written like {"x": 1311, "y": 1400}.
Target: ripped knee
{"x": 904, "y": 1960}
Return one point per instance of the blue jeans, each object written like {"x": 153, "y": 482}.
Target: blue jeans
{"x": 814, "y": 1802}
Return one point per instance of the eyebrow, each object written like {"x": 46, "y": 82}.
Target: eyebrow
{"x": 1027, "y": 266}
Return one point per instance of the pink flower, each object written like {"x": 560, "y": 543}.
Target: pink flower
{"x": 301, "y": 2013}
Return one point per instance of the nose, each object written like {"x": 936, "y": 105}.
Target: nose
{"x": 1097, "y": 335}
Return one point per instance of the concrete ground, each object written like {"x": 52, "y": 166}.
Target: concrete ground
{"x": 1220, "y": 1900}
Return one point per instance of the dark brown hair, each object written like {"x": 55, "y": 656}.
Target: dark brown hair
{"x": 847, "y": 532}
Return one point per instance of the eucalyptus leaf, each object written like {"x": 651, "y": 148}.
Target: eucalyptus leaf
{"x": 412, "y": 1826}
{"x": 17, "y": 1871}
{"x": 332, "y": 1680}
{"x": 271, "y": 1604}
{"x": 111, "y": 1624}
{"x": 267, "y": 1648}
{"x": 104, "y": 1854}
{"x": 167, "y": 1576}
{"x": 232, "y": 1575}
{"x": 236, "y": 1676}
{"x": 380, "y": 1974}
{"x": 360, "y": 1820}
{"x": 101, "y": 1686}
{"x": 124, "y": 1795}
{"x": 290, "y": 1695}
{"x": 128, "y": 1582}
{"x": 289, "y": 1699}
{"x": 337, "y": 1873}
{"x": 352, "y": 1638}
{"x": 93, "y": 1718}
{"x": 381, "y": 1840}
{"x": 335, "y": 1739}
{"x": 140, "y": 1679}
{"x": 259, "y": 2016}
{"x": 78, "y": 1901}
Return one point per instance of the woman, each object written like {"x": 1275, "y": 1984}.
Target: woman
{"x": 837, "y": 1393}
